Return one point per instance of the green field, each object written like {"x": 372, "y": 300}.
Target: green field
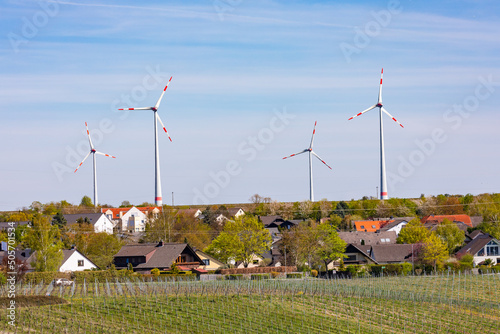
{"x": 413, "y": 304}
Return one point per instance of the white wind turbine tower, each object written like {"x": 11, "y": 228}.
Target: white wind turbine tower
{"x": 383, "y": 182}
{"x": 158, "y": 197}
{"x": 93, "y": 151}
{"x": 311, "y": 152}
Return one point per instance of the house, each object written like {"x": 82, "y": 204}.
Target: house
{"x": 73, "y": 260}
{"x": 196, "y": 213}
{"x": 482, "y": 247}
{"x": 132, "y": 219}
{"x": 209, "y": 263}
{"x": 100, "y": 221}
{"x": 235, "y": 212}
{"x": 254, "y": 262}
{"x": 369, "y": 238}
{"x": 370, "y": 225}
{"x": 438, "y": 219}
{"x": 386, "y": 224}
{"x": 278, "y": 221}
{"x": 395, "y": 253}
{"x": 356, "y": 254}
{"x": 144, "y": 257}
{"x": 4, "y": 226}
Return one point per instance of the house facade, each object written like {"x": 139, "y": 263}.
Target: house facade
{"x": 145, "y": 257}
{"x": 73, "y": 260}
{"x": 482, "y": 247}
{"x": 209, "y": 263}
{"x": 99, "y": 221}
{"x": 133, "y": 219}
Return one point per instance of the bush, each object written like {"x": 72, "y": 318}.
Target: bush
{"x": 314, "y": 273}
{"x": 293, "y": 275}
{"x": 3, "y": 279}
{"x": 46, "y": 277}
{"x": 353, "y": 269}
{"x": 233, "y": 277}
{"x": 259, "y": 276}
{"x": 155, "y": 272}
{"x": 274, "y": 274}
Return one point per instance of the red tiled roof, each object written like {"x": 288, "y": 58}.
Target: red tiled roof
{"x": 370, "y": 225}
{"x": 125, "y": 210}
{"x": 438, "y": 219}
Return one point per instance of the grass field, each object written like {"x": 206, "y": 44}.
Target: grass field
{"x": 413, "y": 304}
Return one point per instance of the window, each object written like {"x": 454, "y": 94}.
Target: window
{"x": 255, "y": 261}
{"x": 481, "y": 252}
{"x": 80, "y": 263}
{"x": 492, "y": 249}
{"x": 181, "y": 259}
{"x": 206, "y": 262}
{"x": 351, "y": 257}
{"x": 362, "y": 226}
{"x": 373, "y": 226}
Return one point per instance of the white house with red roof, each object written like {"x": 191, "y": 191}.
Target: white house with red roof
{"x": 131, "y": 219}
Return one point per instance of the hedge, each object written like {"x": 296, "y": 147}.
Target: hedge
{"x": 233, "y": 277}
{"x": 258, "y": 270}
{"x": 294, "y": 275}
{"x": 259, "y": 276}
{"x": 394, "y": 269}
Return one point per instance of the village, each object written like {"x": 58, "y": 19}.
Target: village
{"x": 322, "y": 239}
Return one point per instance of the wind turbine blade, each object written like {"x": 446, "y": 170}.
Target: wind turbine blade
{"x": 380, "y": 88}
{"x": 88, "y": 135}
{"x": 158, "y": 117}
{"x": 143, "y": 108}
{"x": 304, "y": 151}
{"x": 314, "y": 132}
{"x": 395, "y": 120}
{"x": 317, "y": 156}
{"x": 361, "y": 113}
{"x": 82, "y": 161}
{"x": 157, "y": 105}
{"x": 107, "y": 155}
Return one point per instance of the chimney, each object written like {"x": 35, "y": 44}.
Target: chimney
{"x": 160, "y": 244}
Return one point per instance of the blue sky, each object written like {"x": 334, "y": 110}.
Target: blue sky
{"x": 237, "y": 67}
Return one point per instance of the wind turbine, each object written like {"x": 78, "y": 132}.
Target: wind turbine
{"x": 93, "y": 151}
{"x": 311, "y": 152}
{"x": 383, "y": 182}
{"x": 158, "y": 197}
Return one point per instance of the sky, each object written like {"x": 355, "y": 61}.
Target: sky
{"x": 250, "y": 78}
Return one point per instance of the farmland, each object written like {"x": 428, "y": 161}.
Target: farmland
{"x": 449, "y": 303}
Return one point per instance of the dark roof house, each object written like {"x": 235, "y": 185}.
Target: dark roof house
{"x": 396, "y": 253}
{"x": 145, "y": 257}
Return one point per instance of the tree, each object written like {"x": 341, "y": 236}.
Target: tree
{"x": 86, "y": 201}
{"x": 101, "y": 249}
{"x": 433, "y": 250}
{"x": 342, "y": 209}
{"x": 413, "y": 232}
{"x": 161, "y": 228}
{"x": 240, "y": 240}
{"x": 331, "y": 246}
{"x": 451, "y": 235}
{"x": 194, "y": 231}
{"x": 59, "y": 220}
{"x": 44, "y": 238}
{"x": 125, "y": 204}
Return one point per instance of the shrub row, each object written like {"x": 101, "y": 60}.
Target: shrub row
{"x": 259, "y": 276}
{"x": 258, "y": 270}
{"x": 294, "y": 275}
{"x": 394, "y": 269}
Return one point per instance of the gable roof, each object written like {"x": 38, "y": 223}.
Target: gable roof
{"x": 438, "y": 219}
{"x": 66, "y": 255}
{"x": 362, "y": 249}
{"x": 233, "y": 211}
{"x": 369, "y": 238}
{"x": 396, "y": 253}
{"x": 370, "y": 225}
{"x": 189, "y": 212}
{"x": 475, "y": 245}
{"x": 210, "y": 257}
{"x": 160, "y": 255}
{"x": 93, "y": 217}
{"x": 266, "y": 220}
{"x": 117, "y": 211}
{"x": 475, "y": 233}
